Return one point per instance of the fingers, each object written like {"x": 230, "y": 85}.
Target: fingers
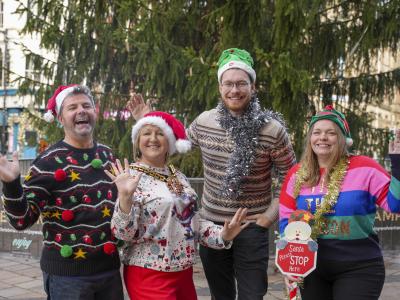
{"x": 137, "y": 178}
{"x": 15, "y": 156}
{"x": 240, "y": 215}
{"x": 253, "y": 217}
{"x": 238, "y": 219}
{"x": 126, "y": 163}
{"x": 244, "y": 225}
{"x": 115, "y": 169}
{"x": 134, "y": 101}
{"x": 119, "y": 165}
{"x": 108, "y": 173}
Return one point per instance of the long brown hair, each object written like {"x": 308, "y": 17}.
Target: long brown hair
{"x": 310, "y": 161}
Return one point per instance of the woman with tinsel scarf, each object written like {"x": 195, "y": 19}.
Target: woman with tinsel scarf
{"x": 341, "y": 191}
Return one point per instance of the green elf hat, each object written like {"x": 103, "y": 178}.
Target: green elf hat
{"x": 235, "y": 58}
{"x": 329, "y": 113}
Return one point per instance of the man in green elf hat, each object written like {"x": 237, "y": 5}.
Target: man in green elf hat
{"x": 67, "y": 187}
{"x": 241, "y": 145}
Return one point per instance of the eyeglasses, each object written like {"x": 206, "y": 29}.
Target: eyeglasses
{"x": 239, "y": 85}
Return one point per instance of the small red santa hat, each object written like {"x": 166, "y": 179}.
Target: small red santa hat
{"x": 55, "y": 101}
{"x": 172, "y": 128}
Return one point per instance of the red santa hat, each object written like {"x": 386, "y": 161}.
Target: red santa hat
{"x": 172, "y": 128}
{"x": 55, "y": 102}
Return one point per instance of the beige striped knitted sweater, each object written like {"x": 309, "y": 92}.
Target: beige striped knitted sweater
{"x": 274, "y": 156}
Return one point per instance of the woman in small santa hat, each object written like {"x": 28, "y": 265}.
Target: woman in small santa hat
{"x": 156, "y": 215}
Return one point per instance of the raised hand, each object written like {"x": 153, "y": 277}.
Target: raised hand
{"x": 125, "y": 182}
{"x": 9, "y": 171}
{"x": 394, "y": 145}
{"x": 137, "y": 107}
{"x": 233, "y": 227}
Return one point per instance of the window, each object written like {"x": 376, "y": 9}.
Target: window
{"x": 30, "y": 71}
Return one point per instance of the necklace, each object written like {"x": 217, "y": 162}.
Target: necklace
{"x": 331, "y": 197}
{"x": 172, "y": 181}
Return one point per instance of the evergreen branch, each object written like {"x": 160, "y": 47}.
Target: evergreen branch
{"x": 361, "y": 75}
{"x": 20, "y": 77}
{"x": 26, "y": 8}
{"x": 25, "y": 48}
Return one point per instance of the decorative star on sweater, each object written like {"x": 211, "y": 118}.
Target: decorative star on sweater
{"x": 74, "y": 176}
{"x": 80, "y": 254}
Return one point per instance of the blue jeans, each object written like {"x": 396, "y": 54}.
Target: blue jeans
{"x": 246, "y": 261}
{"x": 104, "y": 286}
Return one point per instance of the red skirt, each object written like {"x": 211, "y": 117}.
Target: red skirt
{"x": 148, "y": 284}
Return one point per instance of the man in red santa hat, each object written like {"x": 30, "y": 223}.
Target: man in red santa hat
{"x": 66, "y": 186}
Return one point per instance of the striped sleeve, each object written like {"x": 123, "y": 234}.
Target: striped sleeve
{"x": 22, "y": 203}
{"x": 382, "y": 186}
{"x": 191, "y": 133}
{"x": 393, "y": 194}
{"x": 287, "y": 204}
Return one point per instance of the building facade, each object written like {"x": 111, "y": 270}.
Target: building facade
{"x": 16, "y": 132}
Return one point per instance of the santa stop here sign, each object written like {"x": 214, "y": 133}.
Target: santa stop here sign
{"x": 296, "y": 259}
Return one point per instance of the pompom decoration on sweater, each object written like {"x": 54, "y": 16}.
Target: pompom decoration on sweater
{"x": 66, "y": 251}
{"x": 109, "y": 248}
{"x": 96, "y": 163}
{"x": 60, "y": 175}
{"x": 75, "y": 202}
{"x": 67, "y": 215}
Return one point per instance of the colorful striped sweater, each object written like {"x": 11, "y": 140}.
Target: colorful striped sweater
{"x": 68, "y": 189}
{"x": 348, "y": 234}
{"x": 274, "y": 156}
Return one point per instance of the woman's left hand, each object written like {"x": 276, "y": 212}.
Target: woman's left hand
{"x": 233, "y": 227}
{"x": 394, "y": 145}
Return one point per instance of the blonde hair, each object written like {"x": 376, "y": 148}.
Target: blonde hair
{"x": 310, "y": 161}
{"x": 136, "y": 149}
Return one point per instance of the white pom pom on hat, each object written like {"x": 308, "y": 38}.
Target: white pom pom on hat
{"x": 55, "y": 101}
{"x": 172, "y": 128}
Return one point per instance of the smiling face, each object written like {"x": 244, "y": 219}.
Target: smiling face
{"x": 78, "y": 118}
{"x": 324, "y": 140}
{"x": 153, "y": 146}
{"x": 237, "y": 97}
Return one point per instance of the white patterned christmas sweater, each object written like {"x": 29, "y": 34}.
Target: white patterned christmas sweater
{"x": 68, "y": 188}
{"x": 162, "y": 228}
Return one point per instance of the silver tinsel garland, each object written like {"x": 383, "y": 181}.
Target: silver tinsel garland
{"x": 244, "y": 132}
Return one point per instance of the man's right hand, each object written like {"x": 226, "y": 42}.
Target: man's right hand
{"x": 9, "y": 170}
{"x": 137, "y": 107}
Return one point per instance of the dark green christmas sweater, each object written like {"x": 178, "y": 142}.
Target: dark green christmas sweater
{"x": 68, "y": 188}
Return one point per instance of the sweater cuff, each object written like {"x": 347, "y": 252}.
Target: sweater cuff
{"x": 13, "y": 189}
{"x": 395, "y": 160}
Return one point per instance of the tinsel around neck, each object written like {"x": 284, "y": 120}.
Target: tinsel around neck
{"x": 244, "y": 132}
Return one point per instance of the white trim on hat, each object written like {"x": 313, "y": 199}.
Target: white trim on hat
{"x": 159, "y": 122}
{"x": 61, "y": 97}
{"x": 235, "y": 64}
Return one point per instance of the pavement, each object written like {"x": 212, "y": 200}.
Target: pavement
{"x": 21, "y": 278}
